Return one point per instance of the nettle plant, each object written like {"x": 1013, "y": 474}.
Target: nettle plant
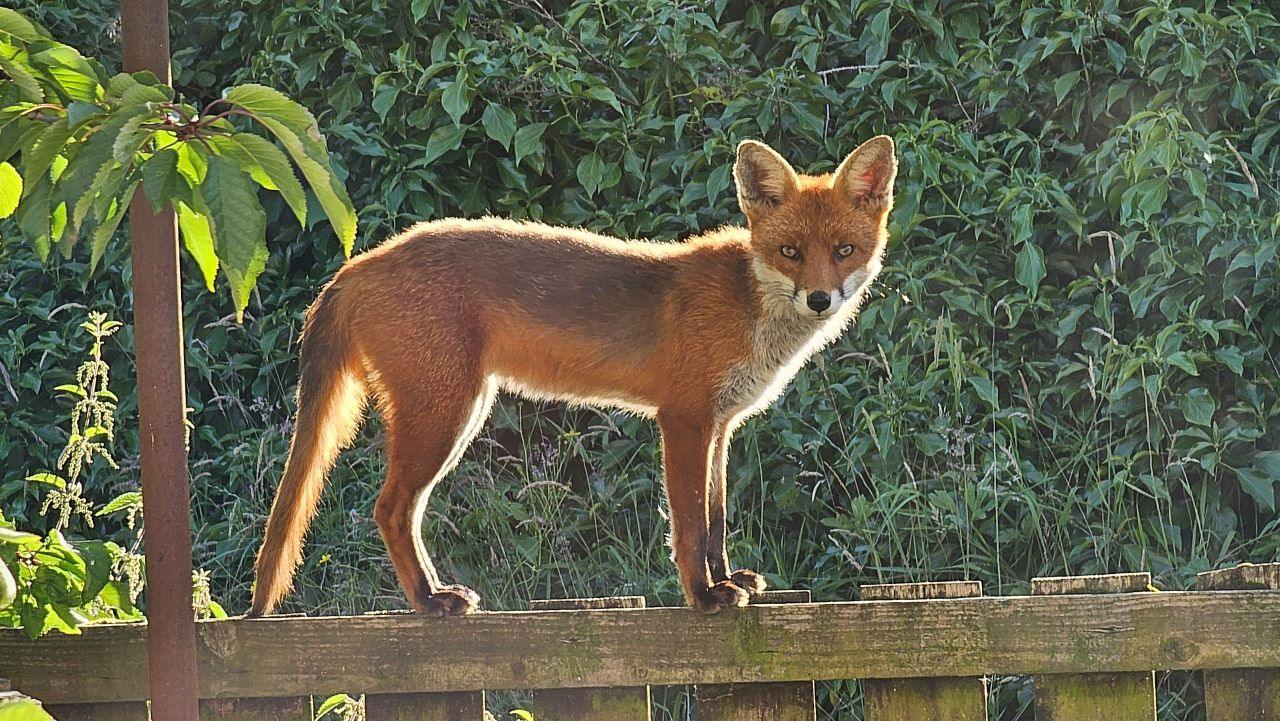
{"x": 84, "y": 142}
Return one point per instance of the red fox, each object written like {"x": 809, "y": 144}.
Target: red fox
{"x": 698, "y": 335}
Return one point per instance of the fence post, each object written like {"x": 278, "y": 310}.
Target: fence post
{"x": 1095, "y": 696}
{"x": 924, "y": 699}
{"x": 783, "y": 701}
{"x": 591, "y": 704}
{"x": 1242, "y": 694}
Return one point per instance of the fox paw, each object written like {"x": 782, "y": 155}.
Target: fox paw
{"x": 722, "y": 594}
{"x": 749, "y": 581}
{"x": 453, "y": 600}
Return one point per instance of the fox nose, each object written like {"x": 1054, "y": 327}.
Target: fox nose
{"x": 818, "y": 301}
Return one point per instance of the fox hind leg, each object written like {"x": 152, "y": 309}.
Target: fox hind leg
{"x": 428, "y": 431}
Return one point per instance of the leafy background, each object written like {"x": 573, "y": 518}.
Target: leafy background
{"x": 1068, "y": 365}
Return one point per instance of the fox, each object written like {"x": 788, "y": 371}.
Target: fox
{"x": 699, "y": 335}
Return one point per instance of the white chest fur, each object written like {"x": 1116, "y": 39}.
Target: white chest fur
{"x": 782, "y": 340}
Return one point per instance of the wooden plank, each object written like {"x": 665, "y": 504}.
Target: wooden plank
{"x": 924, "y": 699}
{"x": 125, "y": 711}
{"x": 671, "y": 646}
{"x": 290, "y": 708}
{"x": 1242, "y": 694}
{"x": 1095, "y": 696}
{"x": 454, "y": 706}
{"x": 784, "y": 701}
{"x": 626, "y": 703}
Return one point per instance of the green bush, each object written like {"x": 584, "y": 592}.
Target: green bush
{"x": 1068, "y": 366}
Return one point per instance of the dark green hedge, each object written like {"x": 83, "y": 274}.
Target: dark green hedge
{"x": 1069, "y": 364}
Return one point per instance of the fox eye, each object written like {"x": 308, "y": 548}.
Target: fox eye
{"x": 789, "y": 251}
{"x": 844, "y": 251}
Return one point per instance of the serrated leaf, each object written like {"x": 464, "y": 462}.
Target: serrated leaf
{"x": 239, "y": 226}
{"x": 39, "y": 160}
{"x": 131, "y": 137}
{"x": 197, "y": 238}
{"x": 28, "y": 87}
{"x": 17, "y": 25}
{"x": 312, "y": 158}
{"x": 499, "y": 123}
{"x": 126, "y": 500}
{"x": 10, "y": 189}
{"x": 108, "y": 223}
{"x": 160, "y": 178}
{"x": 268, "y": 103}
{"x": 268, "y": 165}
{"x": 49, "y": 479}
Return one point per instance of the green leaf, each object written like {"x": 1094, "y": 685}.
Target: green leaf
{"x": 528, "y": 140}
{"x": 11, "y": 537}
{"x": 332, "y": 703}
{"x": 441, "y": 141}
{"x": 116, "y": 595}
{"x": 33, "y": 215}
{"x": 17, "y": 25}
{"x": 131, "y": 137}
{"x": 160, "y": 178}
{"x": 591, "y": 172}
{"x": 1260, "y": 486}
{"x": 268, "y": 103}
{"x": 239, "y": 226}
{"x": 10, "y": 189}
{"x": 606, "y": 95}
{"x": 985, "y": 388}
{"x": 309, "y": 153}
{"x": 106, "y": 228}
{"x": 197, "y": 238}
{"x": 1183, "y": 361}
{"x": 1029, "y": 267}
{"x": 37, "y": 162}
{"x": 23, "y": 709}
{"x": 28, "y": 87}
{"x": 456, "y": 98}
{"x": 49, "y": 479}
{"x": 98, "y": 561}
{"x": 8, "y": 586}
{"x": 126, "y": 500}
{"x": 268, "y": 165}
{"x": 499, "y": 123}
{"x": 1198, "y": 406}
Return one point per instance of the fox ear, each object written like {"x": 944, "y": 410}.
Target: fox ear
{"x": 866, "y": 176}
{"x": 763, "y": 178}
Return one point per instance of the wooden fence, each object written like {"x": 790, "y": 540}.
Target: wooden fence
{"x": 923, "y": 651}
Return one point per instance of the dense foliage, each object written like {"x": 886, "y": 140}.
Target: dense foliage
{"x": 1068, "y": 366}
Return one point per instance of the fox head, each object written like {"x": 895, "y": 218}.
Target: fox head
{"x": 817, "y": 240}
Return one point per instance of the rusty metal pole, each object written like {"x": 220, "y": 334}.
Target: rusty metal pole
{"x": 157, "y": 320}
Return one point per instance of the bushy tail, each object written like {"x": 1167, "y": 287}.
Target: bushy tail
{"x": 330, "y": 403}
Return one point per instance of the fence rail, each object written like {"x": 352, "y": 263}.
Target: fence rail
{"x": 1075, "y": 641}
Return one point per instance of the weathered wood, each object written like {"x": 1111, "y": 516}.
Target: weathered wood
{"x": 591, "y": 704}
{"x": 660, "y": 646}
{"x": 455, "y": 706}
{"x": 924, "y": 699}
{"x": 1095, "y": 696}
{"x": 290, "y": 708}
{"x": 785, "y": 701}
{"x": 1242, "y": 694}
{"x": 126, "y": 711}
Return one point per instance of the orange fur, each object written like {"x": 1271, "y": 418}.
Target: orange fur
{"x": 697, "y": 334}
